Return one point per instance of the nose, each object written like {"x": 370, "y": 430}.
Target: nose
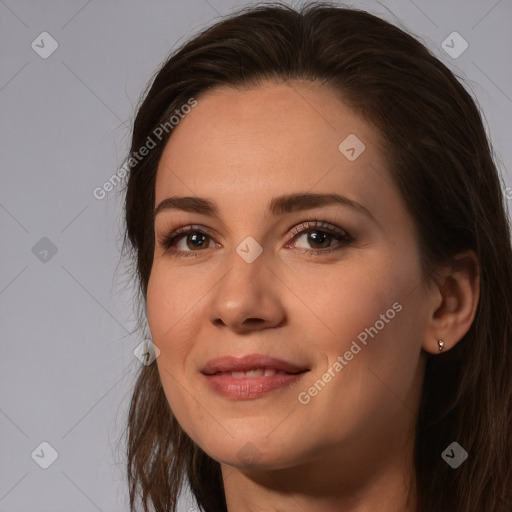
{"x": 247, "y": 297}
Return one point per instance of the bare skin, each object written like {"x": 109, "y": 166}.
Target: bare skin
{"x": 348, "y": 446}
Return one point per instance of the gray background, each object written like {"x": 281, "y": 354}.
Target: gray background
{"x": 67, "y": 364}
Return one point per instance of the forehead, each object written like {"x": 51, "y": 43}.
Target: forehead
{"x": 251, "y": 144}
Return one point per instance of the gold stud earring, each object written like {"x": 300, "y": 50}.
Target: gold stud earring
{"x": 441, "y": 345}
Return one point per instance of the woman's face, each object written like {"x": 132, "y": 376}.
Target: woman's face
{"x": 274, "y": 268}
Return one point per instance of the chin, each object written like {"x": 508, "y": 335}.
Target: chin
{"x": 256, "y": 452}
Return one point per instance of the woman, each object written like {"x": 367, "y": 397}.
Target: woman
{"x": 325, "y": 266}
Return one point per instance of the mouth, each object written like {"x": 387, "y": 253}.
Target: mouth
{"x": 253, "y": 373}
{"x": 251, "y": 376}
{"x": 253, "y": 365}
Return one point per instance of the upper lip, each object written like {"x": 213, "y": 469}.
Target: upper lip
{"x": 249, "y": 362}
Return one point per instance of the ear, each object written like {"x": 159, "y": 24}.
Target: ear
{"x": 454, "y": 300}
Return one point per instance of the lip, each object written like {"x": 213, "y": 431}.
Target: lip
{"x": 249, "y": 362}
{"x": 218, "y": 375}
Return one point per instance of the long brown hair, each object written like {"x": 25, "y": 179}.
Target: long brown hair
{"x": 443, "y": 165}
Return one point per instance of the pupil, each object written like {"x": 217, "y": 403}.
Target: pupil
{"x": 315, "y": 235}
{"x": 195, "y": 238}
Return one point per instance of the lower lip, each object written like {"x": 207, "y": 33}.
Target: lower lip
{"x": 248, "y": 388}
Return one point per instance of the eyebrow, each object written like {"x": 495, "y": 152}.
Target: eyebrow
{"x": 277, "y": 206}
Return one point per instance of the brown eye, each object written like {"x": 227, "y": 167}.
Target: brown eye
{"x": 319, "y": 240}
{"x": 186, "y": 240}
{"x": 195, "y": 241}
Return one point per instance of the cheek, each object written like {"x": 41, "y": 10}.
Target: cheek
{"x": 340, "y": 303}
{"x": 371, "y": 315}
{"x": 378, "y": 334}
{"x": 170, "y": 306}
{"x": 170, "y": 313}
{"x": 377, "y": 329}
{"x": 159, "y": 307}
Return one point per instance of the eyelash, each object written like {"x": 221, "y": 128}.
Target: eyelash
{"x": 168, "y": 241}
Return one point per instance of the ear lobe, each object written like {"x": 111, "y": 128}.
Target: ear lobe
{"x": 459, "y": 289}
